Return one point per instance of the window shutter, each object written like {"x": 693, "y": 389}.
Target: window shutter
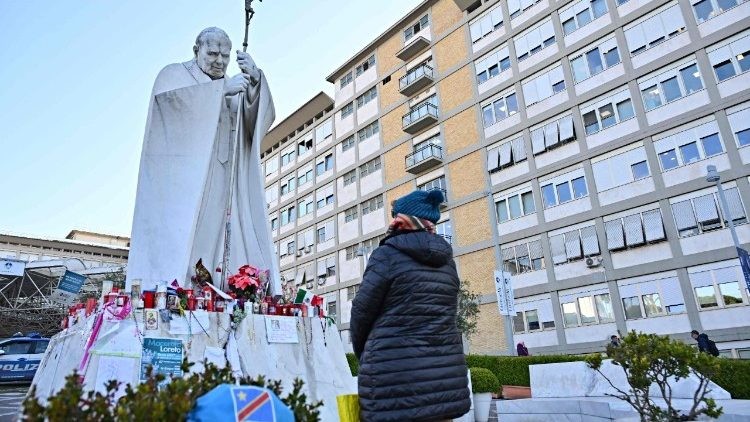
{"x": 537, "y": 141}
{"x": 322, "y": 268}
{"x": 300, "y": 241}
{"x": 505, "y": 154}
{"x": 331, "y": 262}
{"x": 329, "y": 230}
{"x": 476, "y": 31}
{"x": 633, "y": 230}
{"x": 299, "y": 278}
{"x": 672, "y": 19}
{"x": 683, "y": 215}
{"x": 615, "y": 236}
{"x": 655, "y": 26}
{"x": 705, "y": 209}
{"x": 493, "y": 159}
{"x": 547, "y": 30}
{"x": 701, "y": 279}
{"x": 671, "y": 291}
{"x": 653, "y": 225}
{"x": 535, "y": 249}
{"x": 590, "y": 241}
{"x": 514, "y": 6}
{"x": 635, "y": 37}
{"x": 496, "y": 16}
{"x": 629, "y": 290}
{"x": 309, "y": 238}
{"x": 519, "y": 149}
{"x": 567, "y": 132}
{"x": 557, "y": 248}
{"x": 572, "y": 244}
{"x": 550, "y": 135}
{"x": 734, "y": 202}
{"x": 508, "y": 254}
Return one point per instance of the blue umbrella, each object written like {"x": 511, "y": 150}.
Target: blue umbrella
{"x": 240, "y": 403}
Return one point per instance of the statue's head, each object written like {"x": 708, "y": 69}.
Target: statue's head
{"x": 212, "y": 48}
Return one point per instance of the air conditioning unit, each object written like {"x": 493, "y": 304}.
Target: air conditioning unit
{"x": 593, "y": 262}
{"x": 310, "y": 285}
{"x": 322, "y": 280}
{"x": 308, "y": 249}
{"x": 299, "y": 253}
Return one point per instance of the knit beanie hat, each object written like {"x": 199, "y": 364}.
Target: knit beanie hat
{"x": 421, "y": 204}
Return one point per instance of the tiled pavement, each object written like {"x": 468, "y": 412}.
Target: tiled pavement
{"x": 11, "y": 398}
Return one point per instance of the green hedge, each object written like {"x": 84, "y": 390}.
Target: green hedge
{"x": 513, "y": 370}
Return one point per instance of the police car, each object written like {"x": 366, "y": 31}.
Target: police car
{"x": 20, "y": 356}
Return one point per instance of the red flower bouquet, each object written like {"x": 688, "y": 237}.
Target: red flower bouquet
{"x": 245, "y": 284}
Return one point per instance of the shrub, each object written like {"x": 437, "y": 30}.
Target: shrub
{"x": 483, "y": 381}
{"x": 734, "y": 376}
{"x": 149, "y": 401}
{"x": 648, "y": 359}
{"x": 514, "y": 370}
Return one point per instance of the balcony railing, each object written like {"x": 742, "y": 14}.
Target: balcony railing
{"x": 420, "y": 117}
{"x": 416, "y": 79}
{"x": 448, "y": 238}
{"x": 423, "y": 158}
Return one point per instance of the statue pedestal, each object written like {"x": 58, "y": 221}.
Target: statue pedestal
{"x": 318, "y": 358}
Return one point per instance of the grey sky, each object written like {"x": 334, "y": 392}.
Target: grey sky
{"x": 77, "y": 76}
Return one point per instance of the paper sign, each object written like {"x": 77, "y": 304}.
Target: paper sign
{"x": 216, "y": 356}
{"x": 12, "y": 267}
{"x": 114, "y": 368}
{"x": 191, "y": 323}
{"x": 164, "y": 354}
{"x": 281, "y": 329}
{"x": 68, "y": 288}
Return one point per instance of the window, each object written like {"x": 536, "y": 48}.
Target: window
{"x": 369, "y": 167}
{"x": 288, "y": 186}
{"x": 707, "y": 9}
{"x": 345, "y": 80}
{"x": 421, "y": 24}
{"x": 351, "y": 252}
{"x": 587, "y": 310}
{"x": 668, "y": 87}
{"x": 325, "y": 165}
{"x": 607, "y": 112}
{"x": 272, "y": 165}
{"x": 543, "y": 86}
{"x": 304, "y": 176}
{"x": 324, "y": 202}
{"x": 562, "y": 189}
{"x": 506, "y": 154}
{"x": 700, "y": 214}
{"x": 17, "y": 347}
{"x": 368, "y": 96}
{"x": 324, "y": 130}
{"x": 287, "y": 158}
{"x": 347, "y": 110}
{"x": 499, "y": 109}
{"x": 288, "y": 216}
{"x": 574, "y": 245}
{"x": 534, "y": 40}
{"x": 305, "y": 144}
{"x": 350, "y": 214}
{"x": 689, "y": 146}
{"x": 368, "y": 131}
{"x": 632, "y": 307}
{"x": 740, "y": 124}
{"x": 351, "y": 292}
{"x": 290, "y": 248}
{"x": 366, "y": 65}
{"x": 652, "y": 305}
{"x": 372, "y": 205}
{"x": 595, "y": 60}
{"x": 486, "y": 24}
{"x": 654, "y": 28}
{"x": 305, "y": 207}
{"x": 347, "y": 143}
{"x": 523, "y": 258}
{"x": 492, "y": 64}
{"x": 532, "y": 320}
{"x": 350, "y": 177}
{"x": 321, "y": 233}
{"x": 581, "y": 14}
{"x": 274, "y": 223}
{"x": 731, "y": 57}
{"x": 634, "y": 230}
{"x": 552, "y": 135}
{"x": 626, "y": 166}
{"x": 514, "y": 206}
{"x": 445, "y": 229}
{"x": 516, "y": 7}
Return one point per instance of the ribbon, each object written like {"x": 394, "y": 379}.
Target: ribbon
{"x": 122, "y": 314}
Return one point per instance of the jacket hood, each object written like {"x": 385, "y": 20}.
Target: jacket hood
{"x": 426, "y": 248}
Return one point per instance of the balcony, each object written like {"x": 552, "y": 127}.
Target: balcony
{"x": 423, "y": 158}
{"x": 413, "y": 47}
{"x": 420, "y": 117}
{"x": 416, "y": 80}
{"x": 465, "y": 4}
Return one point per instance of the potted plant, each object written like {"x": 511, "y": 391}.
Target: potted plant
{"x": 483, "y": 384}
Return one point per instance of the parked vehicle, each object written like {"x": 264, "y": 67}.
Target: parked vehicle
{"x": 20, "y": 356}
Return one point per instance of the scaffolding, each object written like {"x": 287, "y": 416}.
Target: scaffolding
{"x": 25, "y": 304}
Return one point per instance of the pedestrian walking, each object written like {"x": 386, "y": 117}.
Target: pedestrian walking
{"x": 705, "y": 344}
{"x": 403, "y": 322}
{"x": 521, "y": 349}
{"x": 614, "y": 341}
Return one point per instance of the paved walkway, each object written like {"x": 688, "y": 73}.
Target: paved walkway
{"x": 11, "y": 398}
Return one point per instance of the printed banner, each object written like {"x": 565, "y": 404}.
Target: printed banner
{"x": 164, "y": 354}
{"x": 68, "y": 288}
{"x": 12, "y": 267}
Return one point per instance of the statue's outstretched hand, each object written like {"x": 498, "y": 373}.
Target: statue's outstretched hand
{"x": 236, "y": 84}
{"x": 247, "y": 65}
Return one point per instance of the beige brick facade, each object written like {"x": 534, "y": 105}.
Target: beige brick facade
{"x": 456, "y": 89}
{"x": 445, "y": 14}
{"x": 386, "y": 56}
{"x": 490, "y": 336}
{"x": 389, "y": 94}
{"x": 463, "y": 177}
{"x": 478, "y": 269}
{"x": 451, "y": 50}
{"x": 393, "y": 161}
{"x": 470, "y": 223}
{"x": 460, "y": 131}
{"x": 391, "y": 129}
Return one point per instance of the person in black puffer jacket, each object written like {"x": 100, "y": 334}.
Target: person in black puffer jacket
{"x": 403, "y": 321}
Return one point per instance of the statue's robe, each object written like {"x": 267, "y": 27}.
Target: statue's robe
{"x": 183, "y": 183}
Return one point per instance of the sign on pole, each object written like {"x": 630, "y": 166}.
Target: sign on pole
{"x": 164, "y": 355}
{"x": 504, "y": 291}
{"x": 745, "y": 265}
{"x": 68, "y": 288}
{"x": 12, "y": 267}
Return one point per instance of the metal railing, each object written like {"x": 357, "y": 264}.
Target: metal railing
{"x": 423, "y": 153}
{"x": 414, "y": 74}
{"x": 418, "y": 112}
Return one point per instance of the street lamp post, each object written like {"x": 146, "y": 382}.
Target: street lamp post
{"x": 712, "y": 176}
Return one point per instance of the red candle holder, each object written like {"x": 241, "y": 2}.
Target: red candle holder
{"x": 149, "y": 298}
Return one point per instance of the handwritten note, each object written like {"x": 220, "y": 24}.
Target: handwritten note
{"x": 280, "y": 329}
